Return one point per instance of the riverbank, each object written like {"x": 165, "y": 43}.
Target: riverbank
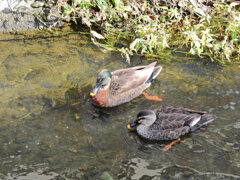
{"x": 149, "y": 28}
{"x": 19, "y": 15}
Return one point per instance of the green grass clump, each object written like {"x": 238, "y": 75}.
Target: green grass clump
{"x": 148, "y": 27}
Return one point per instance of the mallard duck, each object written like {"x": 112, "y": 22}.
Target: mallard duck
{"x": 169, "y": 123}
{"x": 121, "y": 86}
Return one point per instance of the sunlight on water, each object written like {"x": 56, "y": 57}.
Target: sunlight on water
{"x": 50, "y": 130}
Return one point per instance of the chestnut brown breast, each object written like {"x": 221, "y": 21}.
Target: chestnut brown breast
{"x": 101, "y": 98}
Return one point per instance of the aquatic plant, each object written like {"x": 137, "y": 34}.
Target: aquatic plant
{"x": 149, "y": 27}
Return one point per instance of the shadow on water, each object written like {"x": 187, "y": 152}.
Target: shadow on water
{"x": 50, "y": 130}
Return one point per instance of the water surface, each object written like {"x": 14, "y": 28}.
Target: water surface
{"x": 49, "y": 130}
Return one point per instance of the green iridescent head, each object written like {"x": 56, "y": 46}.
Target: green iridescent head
{"x": 103, "y": 81}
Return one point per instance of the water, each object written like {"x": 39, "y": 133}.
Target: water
{"x": 49, "y": 130}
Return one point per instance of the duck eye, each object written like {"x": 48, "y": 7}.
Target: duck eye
{"x": 99, "y": 81}
{"x": 103, "y": 85}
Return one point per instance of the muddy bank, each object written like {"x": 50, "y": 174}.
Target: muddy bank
{"x": 18, "y": 15}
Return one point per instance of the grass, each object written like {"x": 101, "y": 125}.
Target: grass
{"x": 149, "y": 27}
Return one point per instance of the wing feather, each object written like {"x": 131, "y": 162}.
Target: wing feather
{"x": 174, "y": 121}
{"x": 124, "y": 80}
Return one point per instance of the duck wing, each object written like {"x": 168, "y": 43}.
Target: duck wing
{"x": 121, "y": 72}
{"x": 131, "y": 78}
{"x": 171, "y": 126}
{"x": 174, "y": 121}
{"x": 179, "y": 110}
{"x": 192, "y": 118}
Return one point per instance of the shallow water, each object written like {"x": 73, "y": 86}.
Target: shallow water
{"x": 49, "y": 130}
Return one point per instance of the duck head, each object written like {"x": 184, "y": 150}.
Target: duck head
{"x": 145, "y": 117}
{"x": 103, "y": 81}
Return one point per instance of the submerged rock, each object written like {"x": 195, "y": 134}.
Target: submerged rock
{"x": 106, "y": 176}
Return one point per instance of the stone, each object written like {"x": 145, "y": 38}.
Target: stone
{"x": 18, "y": 15}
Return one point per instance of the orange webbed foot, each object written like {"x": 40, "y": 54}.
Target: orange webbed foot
{"x": 151, "y": 98}
{"x": 167, "y": 147}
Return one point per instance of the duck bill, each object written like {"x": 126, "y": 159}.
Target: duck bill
{"x": 132, "y": 126}
{"x": 95, "y": 90}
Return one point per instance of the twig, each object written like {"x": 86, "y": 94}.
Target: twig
{"x": 26, "y": 115}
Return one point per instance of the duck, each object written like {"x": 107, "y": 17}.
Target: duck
{"x": 123, "y": 85}
{"x": 169, "y": 123}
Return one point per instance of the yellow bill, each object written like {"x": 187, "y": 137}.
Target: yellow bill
{"x": 92, "y": 94}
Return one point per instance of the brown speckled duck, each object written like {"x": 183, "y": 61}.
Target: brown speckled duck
{"x": 121, "y": 86}
{"x": 169, "y": 123}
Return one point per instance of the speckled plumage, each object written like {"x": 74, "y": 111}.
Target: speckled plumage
{"x": 123, "y": 85}
{"x": 168, "y": 123}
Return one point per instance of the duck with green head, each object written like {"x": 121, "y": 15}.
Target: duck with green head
{"x": 121, "y": 86}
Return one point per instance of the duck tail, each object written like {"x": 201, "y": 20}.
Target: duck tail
{"x": 156, "y": 71}
{"x": 205, "y": 119}
{"x": 154, "y": 74}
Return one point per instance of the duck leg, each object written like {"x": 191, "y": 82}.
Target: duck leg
{"x": 167, "y": 147}
{"x": 151, "y": 98}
